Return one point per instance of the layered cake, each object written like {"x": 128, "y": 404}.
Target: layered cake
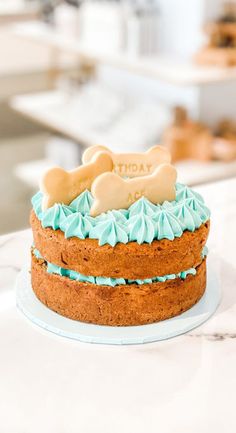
{"x": 115, "y": 250}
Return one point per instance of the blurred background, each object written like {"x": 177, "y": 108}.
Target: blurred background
{"x": 126, "y": 74}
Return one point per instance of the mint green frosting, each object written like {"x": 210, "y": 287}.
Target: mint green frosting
{"x": 79, "y": 277}
{"x": 191, "y": 213}
{"x": 109, "y": 231}
{"x": 183, "y": 192}
{"x": 54, "y": 269}
{"x": 166, "y": 225}
{"x": 55, "y": 216}
{"x": 140, "y": 282}
{"x": 141, "y": 228}
{"x": 142, "y": 206}
{"x": 106, "y": 281}
{"x": 76, "y": 225}
{"x": 205, "y": 251}
{"x": 199, "y": 208}
{"x": 119, "y": 216}
{"x": 82, "y": 203}
{"x": 37, "y": 254}
{"x": 142, "y": 222}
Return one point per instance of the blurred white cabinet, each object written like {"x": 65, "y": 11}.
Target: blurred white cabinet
{"x": 180, "y": 36}
{"x": 208, "y": 102}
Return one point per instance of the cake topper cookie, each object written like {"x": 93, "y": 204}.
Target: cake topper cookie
{"x": 132, "y": 164}
{"x": 61, "y": 186}
{"x": 110, "y": 191}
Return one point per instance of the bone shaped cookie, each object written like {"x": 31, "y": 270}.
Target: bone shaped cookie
{"x": 132, "y": 164}
{"x": 110, "y": 191}
{"x": 61, "y": 186}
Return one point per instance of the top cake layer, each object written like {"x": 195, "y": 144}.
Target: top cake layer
{"x": 142, "y": 222}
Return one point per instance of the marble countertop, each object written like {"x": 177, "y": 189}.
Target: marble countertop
{"x": 183, "y": 385}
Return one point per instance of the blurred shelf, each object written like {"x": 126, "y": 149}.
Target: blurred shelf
{"x": 172, "y": 71}
{"x": 17, "y": 11}
{"x": 49, "y": 109}
{"x": 82, "y": 118}
{"x": 194, "y": 172}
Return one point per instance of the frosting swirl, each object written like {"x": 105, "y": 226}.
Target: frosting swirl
{"x": 143, "y": 206}
{"x": 141, "y": 229}
{"x": 183, "y": 192}
{"x": 199, "y": 208}
{"x": 55, "y": 216}
{"x": 82, "y": 203}
{"x": 76, "y": 225}
{"x": 109, "y": 231}
{"x": 119, "y": 216}
{"x": 189, "y": 219}
{"x": 166, "y": 225}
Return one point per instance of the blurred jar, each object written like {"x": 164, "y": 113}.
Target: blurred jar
{"x": 142, "y": 19}
{"x": 66, "y": 20}
{"x": 102, "y": 25}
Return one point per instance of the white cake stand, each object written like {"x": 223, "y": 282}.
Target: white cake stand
{"x": 42, "y": 316}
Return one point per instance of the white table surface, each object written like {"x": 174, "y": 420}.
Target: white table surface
{"x": 184, "y": 385}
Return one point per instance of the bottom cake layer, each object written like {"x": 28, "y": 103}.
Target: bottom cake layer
{"x": 122, "y": 305}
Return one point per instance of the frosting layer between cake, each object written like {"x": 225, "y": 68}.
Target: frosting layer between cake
{"x": 142, "y": 222}
{"x": 73, "y": 275}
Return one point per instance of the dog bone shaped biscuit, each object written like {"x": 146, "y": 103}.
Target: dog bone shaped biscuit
{"x": 111, "y": 191}
{"x": 132, "y": 164}
{"x": 61, "y": 186}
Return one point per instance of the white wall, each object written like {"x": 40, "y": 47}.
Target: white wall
{"x": 217, "y": 101}
{"x": 180, "y": 26}
{"x": 181, "y": 23}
